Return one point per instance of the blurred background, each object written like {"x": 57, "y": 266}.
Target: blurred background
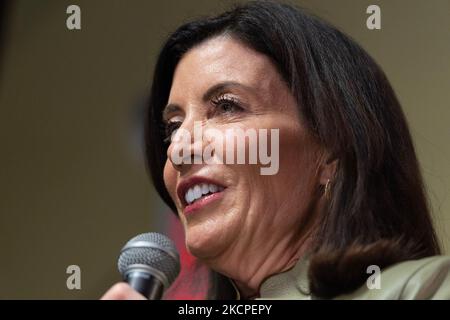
{"x": 73, "y": 183}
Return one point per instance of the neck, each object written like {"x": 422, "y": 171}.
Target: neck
{"x": 249, "y": 277}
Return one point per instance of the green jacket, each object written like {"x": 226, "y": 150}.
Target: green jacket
{"x": 427, "y": 278}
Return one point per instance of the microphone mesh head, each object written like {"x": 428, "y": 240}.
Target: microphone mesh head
{"x": 154, "y": 250}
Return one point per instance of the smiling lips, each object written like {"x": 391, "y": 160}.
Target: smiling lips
{"x": 200, "y": 190}
{"x": 197, "y": 192}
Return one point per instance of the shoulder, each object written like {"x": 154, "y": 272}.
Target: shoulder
{"x": 427, "y": 278}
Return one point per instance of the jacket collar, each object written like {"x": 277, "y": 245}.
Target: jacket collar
{"x": 291, "y": 284}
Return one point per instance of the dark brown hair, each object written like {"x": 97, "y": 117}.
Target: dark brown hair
{"x": 378, "y": 212}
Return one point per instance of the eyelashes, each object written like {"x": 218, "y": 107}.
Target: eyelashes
{"x": 226, "y": 104}
{"x": 223, "y": 105}
{"x": 169, "y": 130}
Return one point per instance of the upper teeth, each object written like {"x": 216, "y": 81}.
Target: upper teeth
{"x": 197, "y": 191}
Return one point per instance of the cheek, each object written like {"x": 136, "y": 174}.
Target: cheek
{"x": 297, "y": 174}
{"x": 170, "y": 180}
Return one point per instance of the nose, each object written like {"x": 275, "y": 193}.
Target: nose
{"x": 186, "y": 149}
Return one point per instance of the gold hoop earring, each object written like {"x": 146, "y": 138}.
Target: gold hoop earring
{"x": 327, "y": 190}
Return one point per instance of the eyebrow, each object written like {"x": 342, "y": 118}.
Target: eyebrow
{"x": 212, "y": 91}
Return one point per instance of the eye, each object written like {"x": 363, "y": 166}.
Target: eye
{"x": 227, "y": 104}
{"x": 170, "y": 128}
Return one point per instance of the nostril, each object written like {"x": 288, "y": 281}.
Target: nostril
{"x": 177, "y": 166}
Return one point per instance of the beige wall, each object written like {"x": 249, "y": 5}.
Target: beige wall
{"x": 73, "y": 184}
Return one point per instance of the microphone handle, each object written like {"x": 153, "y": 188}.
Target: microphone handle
{"x": 146, "y": 284}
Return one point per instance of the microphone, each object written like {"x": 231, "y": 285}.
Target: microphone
{"x": 149, "y": 263}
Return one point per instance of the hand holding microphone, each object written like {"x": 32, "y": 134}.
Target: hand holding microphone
{"x": 149, "y": 263}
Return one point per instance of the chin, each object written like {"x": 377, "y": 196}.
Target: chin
{"x": 203, "y": 244}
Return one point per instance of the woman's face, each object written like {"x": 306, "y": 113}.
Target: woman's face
{"x": 254, "y": 214}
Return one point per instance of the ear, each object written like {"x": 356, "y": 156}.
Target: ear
{"x": 328, "y": 170}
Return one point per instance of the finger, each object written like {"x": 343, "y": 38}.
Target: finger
{"x": 122, "y": 291}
